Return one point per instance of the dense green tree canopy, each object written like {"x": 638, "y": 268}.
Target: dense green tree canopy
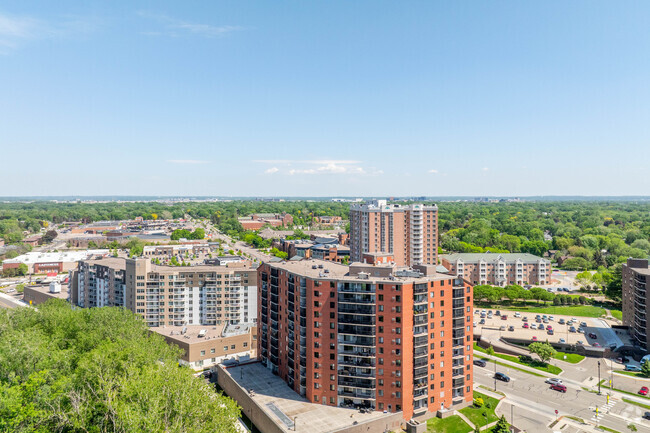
{"x": 98, "y": 370}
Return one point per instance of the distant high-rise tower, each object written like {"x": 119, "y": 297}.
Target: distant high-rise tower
{"x": 409, "y": 233}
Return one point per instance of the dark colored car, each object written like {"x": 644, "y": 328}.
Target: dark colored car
{"x": 558, "y": 387}
{"x": 480, "y": 362}
{"x": 511, "y": 328}
{"x": 592, "y": 335}
{"x": 501, "y": 376}
{"x": 646, "y": 415}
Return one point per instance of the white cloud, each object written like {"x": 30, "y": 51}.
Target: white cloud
{"x": 15, "y": 30}
{"x": 433, "y": 171}
{"x": 175, "y": 27}
{"x": 485, "y": 169}
{"x": 318, "y": 167}
{"x": 187, "y": 161}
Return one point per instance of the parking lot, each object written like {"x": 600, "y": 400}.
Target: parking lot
{"x": 588, "y": 331}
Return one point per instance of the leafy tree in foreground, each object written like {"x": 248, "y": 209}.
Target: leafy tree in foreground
{"x": 544, "y": 350}
{"x": 98, "y": 370}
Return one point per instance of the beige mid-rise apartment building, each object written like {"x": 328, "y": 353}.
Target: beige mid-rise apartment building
{"x": 169, "y": 295}
{"x": 499, "y": 269}
{"x": 408, "y": 232}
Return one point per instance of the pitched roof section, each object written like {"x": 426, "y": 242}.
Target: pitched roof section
{"x": 492, "y": 257}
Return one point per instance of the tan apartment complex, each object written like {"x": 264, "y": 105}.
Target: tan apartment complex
{"x": 408, "y": 232}
{"x": 499, "y": 269}
{"x": 169, "y": 295}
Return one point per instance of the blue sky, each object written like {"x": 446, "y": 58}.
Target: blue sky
{"x": 325, "y": 98}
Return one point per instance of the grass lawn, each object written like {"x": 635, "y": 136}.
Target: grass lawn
{"x": 534, "y": 364}
{"x": 611, "y": 430}
{"x": 475, "y": 414}
{"x": 617, "y": 314}
{"x": 631, "y": 373}
{"x": 627, "y": 400}
{"x": 574, "y": 310}
{"x": 452, "y": 424}
{"x": 572, "y": 358}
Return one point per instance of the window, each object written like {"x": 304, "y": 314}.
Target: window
{"x": 245, "y": 343}
{"x": 203, "y": 353}
{"x": 212, "y": 350}
{"x": 225, "y": 348}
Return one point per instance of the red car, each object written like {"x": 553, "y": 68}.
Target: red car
{"x": 643, "y": 390}
{"x": 558, "y": 387}
{"x": 504, "y": 317}
{"x": 549, "y": 327}
{"x": 534, "y": 338}
{"x": 526, "y": 325}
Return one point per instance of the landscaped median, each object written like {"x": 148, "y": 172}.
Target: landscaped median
{"x": 538, "y": 365}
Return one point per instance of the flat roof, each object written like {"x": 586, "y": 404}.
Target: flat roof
{"x": 45, "y": 289}
{"x": 341, "y": 272}
{"x": 192, "y": 332}
{"x": 275, "y": 398}
{"x": 63, "y": 256}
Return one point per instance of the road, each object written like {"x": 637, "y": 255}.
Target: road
{"x": 236, "y": 245}
{"x": 534, "y": 403}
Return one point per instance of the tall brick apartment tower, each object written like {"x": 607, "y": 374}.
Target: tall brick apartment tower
{"x": 372, "y": 335}
{"x": 409, "y": 233}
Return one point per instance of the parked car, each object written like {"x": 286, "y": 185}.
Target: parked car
{"x": 596, "y": 344}
{"x": 540, "y": 327}
{"x": 498, "y": 313}
{"x": 580, "y": 342}
{"x": 548, "y": 327}
{"x": 643, "y": 390}
{"x": 561, "y": 322}
{"x": 480, "y": 362}
{"x": 583, "y": 324}
{"x": 504, "y": 317}
{"x": 511, "y": 328}
{"x": 525, "y": 319}
{"x": 592, "y": 335}
{"x": 526, "y": 326}
{"x": 558, "y": 387}
{"x": 549, "y": 332}
{"x": 551, "y": 318}
{"x": 502, "y": 328}
{"x": 572, "y": 329}
{"x": 534, "y": 338}
{"x": 517, "y": 314}
{"x": 482, "y": 322}
{"x": 622, "y": 360}
{"x": 646, "y": 415}
{"x": 562, "y": 340}
{"x": 505, "y": 378}
{"x": 632, "y": 367}
{"x": 554, "y": 380}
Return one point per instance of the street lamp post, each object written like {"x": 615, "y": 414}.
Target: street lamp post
{"x": 495, "y": 374}
{"x": 598, "y": 377}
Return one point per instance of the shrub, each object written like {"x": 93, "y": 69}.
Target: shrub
{"x": 478, "y": 402}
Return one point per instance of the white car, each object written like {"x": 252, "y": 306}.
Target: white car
{"x": 554, "y": 381}
{"x": 517, "y": 314}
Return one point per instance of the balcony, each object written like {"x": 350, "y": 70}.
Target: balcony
{"x": 356, "y": 330}
{"x": 355, "y": 351}
{"x": 356, "y": 320}
{"x": 357, "y": 382}
{"x": 364, "y": 395}
{"x": 356, "y": 372}
{"x": 356, "y": 309}
{"x": 356, "y": 362}
{"x": 356, "y": 341}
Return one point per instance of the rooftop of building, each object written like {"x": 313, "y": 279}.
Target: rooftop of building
{"x": 45, "y": 289}
{"x": 383, "y": 205}
{"x": 492, "y": 257}
{"x": 283, "y": 405}
{"x": 199, "y": 333}
{"x": 118, "y": 263}
{"x": 640, "y": 266}
{"x": 327, "y": 270}
{"x": 63, "y": 256}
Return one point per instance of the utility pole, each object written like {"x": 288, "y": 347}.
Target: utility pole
{"x": 495, "y": 374}
{"x": 598, "y": 377}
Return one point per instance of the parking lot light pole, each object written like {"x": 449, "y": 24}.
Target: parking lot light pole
{"x": 495, "y": 374}
{"x": 598, "y": 377}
